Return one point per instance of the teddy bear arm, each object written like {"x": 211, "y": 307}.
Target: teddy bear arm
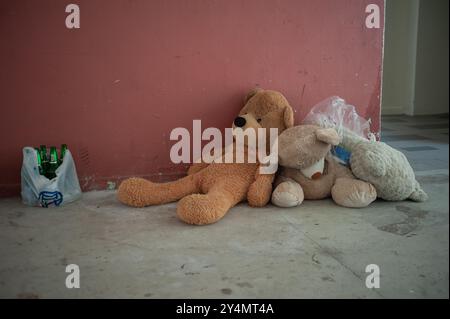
{"x": 260, "y": 190}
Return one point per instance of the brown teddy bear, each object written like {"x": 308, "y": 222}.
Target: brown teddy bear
{"x": 309, "y": 172}
{"x": 210, "y": 190}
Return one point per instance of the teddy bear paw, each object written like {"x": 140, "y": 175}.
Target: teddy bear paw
{"x": 132, "y": 192}
{"x": 288, "y": 194}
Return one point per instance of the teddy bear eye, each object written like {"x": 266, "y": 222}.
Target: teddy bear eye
{"x": 259, "y": 120}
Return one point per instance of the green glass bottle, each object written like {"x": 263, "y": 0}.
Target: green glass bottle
{"x": 62, "y": 152}
{"x": 53, "y": 164}
{"x": 44, "y": 159}
{"x": 39, "y": 160}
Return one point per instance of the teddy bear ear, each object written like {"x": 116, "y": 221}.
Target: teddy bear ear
{"x": 328, "y": 135}
{"x": 288, "y": 117}
{"x": 251, "y": 94}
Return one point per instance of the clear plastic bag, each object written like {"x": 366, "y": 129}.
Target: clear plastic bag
{"x": 38, "y": 190}
{"x": 336, "y": 113}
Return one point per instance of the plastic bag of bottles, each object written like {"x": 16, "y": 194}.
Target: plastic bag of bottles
{"x": 334, "y": 112}
{"x": 38, "y": 190}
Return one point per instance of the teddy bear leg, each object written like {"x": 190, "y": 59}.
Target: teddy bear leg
{"x": 419, "y": 194}
{"x": 288, "y": 194}
{"x": 349, "y": 192}
{"x": 203, "y": 209}
{"x": 139, "y": 192}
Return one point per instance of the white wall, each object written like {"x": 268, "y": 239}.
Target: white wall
{"x": 399, "y": 56}
{"x": 415, "y": 67}
{"x": 431, "y": 89}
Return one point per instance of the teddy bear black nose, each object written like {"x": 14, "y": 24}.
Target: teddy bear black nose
{"x": 239, "y": 121}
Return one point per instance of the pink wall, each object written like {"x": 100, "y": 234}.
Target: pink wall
{"x": 115, "y": 88}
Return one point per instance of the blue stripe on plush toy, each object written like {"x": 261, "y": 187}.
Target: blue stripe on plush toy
{"x": 341, "y": 155}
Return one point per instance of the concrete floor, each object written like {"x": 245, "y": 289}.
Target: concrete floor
{"x": 318, "y": 250}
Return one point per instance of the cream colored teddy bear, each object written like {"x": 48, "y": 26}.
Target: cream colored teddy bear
{"x": 384, "y": 167}
{"x": 309, "y": 172}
